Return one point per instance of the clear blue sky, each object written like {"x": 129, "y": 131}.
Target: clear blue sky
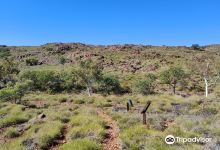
{"x": 155, "y": 22}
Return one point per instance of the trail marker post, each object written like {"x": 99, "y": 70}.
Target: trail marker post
{"x": 129, "y": 104}
{"x": 143, "y": 112}
{"x": 128, "y": 107}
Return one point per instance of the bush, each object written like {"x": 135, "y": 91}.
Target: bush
{"x": 79, "y": 101}
{"x": 11, "y": 133}
{"x": 8, "y": 72}
{"x": 147, "y": 85}
{"x": 110, "y": 84}
{"x": 207, "y": 111}
{"x": 4, "y": 52}
{"x": 69, "y": 81}
{"x": 8, "y": 94}
{"x": 63, "y": 100}
{"x": 196, "y": 47}
{"x": 62, "y": 60}
{"x": 43, "y": 80}
{"x": 31, "y": 62}
{"x": 15, "y": 93}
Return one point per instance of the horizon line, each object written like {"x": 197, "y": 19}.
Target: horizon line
{"x": 113, "y": 44}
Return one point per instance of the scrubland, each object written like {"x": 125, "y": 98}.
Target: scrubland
{"x": 50, "y": 96}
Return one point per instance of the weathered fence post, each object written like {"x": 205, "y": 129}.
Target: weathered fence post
{"x": 143, "y": 112}
{"x": 128, "y": 107}
{"x": 129, "y": 104}
{"x": 144, "y": 118}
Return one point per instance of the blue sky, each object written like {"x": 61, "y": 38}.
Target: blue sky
{"x": 155, "y": 22}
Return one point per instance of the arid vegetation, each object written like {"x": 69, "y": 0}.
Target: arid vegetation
{"x": 74, "y": 96}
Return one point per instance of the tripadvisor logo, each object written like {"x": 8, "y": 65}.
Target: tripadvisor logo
{"x": 170, "y": 139}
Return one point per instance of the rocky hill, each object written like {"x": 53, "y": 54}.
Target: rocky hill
{"x": 125, "y": 58}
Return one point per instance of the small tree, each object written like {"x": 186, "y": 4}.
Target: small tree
{"x": 8, "y": 72}
{"x": 147, "y": 85}
{"x": 208, "y": 71}
{"x": 14, "y": 94}
{"x": 22, "y": 88}
{"x": 172, "y": 77}
{"x": 88, "y": 73}
{"x": 210, "y": 78}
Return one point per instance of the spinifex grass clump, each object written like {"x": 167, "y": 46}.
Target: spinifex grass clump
{"x": 12, "y": 133}
{"x": 85, "y": 129}
{"x": 12, "y": 115}
{"x": 86, "y": 124}
{"x": 47, "y": 134}
{"x": 81, "y": 144}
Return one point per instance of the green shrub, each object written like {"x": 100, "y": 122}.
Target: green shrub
{"x": 15, "y": 93}
{"x": 110, "y": 84}
{"x": 207, "y": 111}
{"x": 4, "y": 52}
{"x": 196, "y": 47}
{"x": 79, "y": 101}
{"x": 43, "y": 80}
{"x": 62, "y": 60}
{"x": 31, "y": 61}
{"x": 8, "y": 72}
{"x": 8, "y": 94}
{"x": 62, "y": 100}
{"x": 147, "y": 85}
{"x": 52, "y": 81}
{"x": 69, "y": 81}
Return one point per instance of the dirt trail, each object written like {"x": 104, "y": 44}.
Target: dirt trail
{"x": 112, "y": 141}
{"x": 61, "y": 140}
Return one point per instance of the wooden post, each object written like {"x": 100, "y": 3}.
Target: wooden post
{"x": 128, "y": 107}
{"x": 144, "y": 118}
{"x": 143, "y": 112}
{"x": 130, "y": 103}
